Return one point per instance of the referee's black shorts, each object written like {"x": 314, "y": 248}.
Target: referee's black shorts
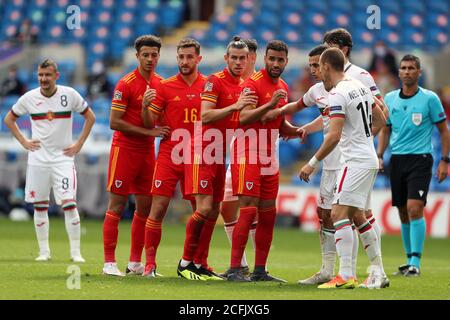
{"x": 410, "y": 177}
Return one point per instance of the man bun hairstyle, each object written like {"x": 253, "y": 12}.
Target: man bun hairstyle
{"x": 236, "y": 43}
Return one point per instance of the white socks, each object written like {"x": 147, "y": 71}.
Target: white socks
{"x": 371, "y": 245}
{"x": 42, "y": 226}
{"x": 328, "y": 251}
{"x": 344, "y": 244}
{"x": 355, "y": 249}
{"x": 72, "y": 220}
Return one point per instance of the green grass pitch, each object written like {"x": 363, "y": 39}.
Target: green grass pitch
{"x": 294, "y": 255}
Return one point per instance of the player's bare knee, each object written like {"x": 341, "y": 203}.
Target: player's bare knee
{"x": 415, "y": 211}
{"x": 326, "y": 219}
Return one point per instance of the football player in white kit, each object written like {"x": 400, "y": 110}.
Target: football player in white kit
{"x": 52, "y": 151}
{"x": 342, "y": 39}
{"x": 317, "y": 95}
{"x": 352, "y": 110}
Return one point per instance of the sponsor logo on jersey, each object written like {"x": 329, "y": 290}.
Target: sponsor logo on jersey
{"x": 158, "y": 183}
{"x": 268, "y": 95}
{"x": 177, "y": 98}
{"x": 118, "y": 183}
{"x": 230, "y": 96}
{"x": 118, "y": 95}
{"x": 246, "y": 90}
{"x": 417, "y": 118}
{"x": 208, "y": 86}
{"x": 139, "y": 98}
{"x": 203, "y": 183}
{"x": 249, "y": 185}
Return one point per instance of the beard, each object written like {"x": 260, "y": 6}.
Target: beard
{"x": 187, "y": 71}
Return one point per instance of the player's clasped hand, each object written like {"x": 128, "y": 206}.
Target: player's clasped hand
{"x": 246, "y": 99}
{"x": 277, "y": 96}
{"x": 32, "y": 145}
{"x": 149, "y": 96}
{"x": 305, "y": 172}
{"x": 162, "y": 132}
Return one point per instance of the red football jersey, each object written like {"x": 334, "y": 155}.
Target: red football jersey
{"x": 128, "y": 98}
{"x": 224, "y": 90}
{"x": 264, "y": 87}
{"x": 179, "y": 103}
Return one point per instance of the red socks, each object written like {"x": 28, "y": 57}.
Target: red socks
{"x": 153, "y": 233}
{"x": 110, "y": 234}
{"x": 201, "y": 254}
{"x": 240, "y": 234}
{"x": 264, "y": 235}
{"x": 137, "y": 237}
{"x": 193, "y": 231}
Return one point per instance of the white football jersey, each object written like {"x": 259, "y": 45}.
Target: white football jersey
{"x": 362, "y": 75}
{"x": 317, "y": 95}
{"x": 352, "y": 100}
{"x": 51, "y": 122}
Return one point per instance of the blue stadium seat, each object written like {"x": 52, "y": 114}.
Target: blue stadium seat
{"x": 392, "y": 6}
{"x": 412, "y": 19}
{"x": 441, "y": 6}
{"x": 390, "y": 19}
{"x": 343, "y": 6}
{"x": 291, "y": 36}
{"x": 437, "y": 20}
{"x": 436, "y": 38}
{"x": 339, "y": 19}
{"x": 416, "y": 6}
{"x": 364, "y": 38}
{"x": 172, "y": 14}
{"x": 292, "y": 19}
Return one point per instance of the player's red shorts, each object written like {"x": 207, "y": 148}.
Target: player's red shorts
{"x": 130, "y": 171}
{"x": 250, "y": 180}
{"x": 208, "y": 179}
{"x": 166, "y": 176}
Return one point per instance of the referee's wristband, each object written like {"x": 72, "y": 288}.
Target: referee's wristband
{"x": 314, "y": 162}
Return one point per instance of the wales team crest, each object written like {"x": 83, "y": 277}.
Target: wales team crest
{"x": 249, "y": 185}
{"x": 118, "y": 183}
{"x": 204, "y": 183}
{"x": 417, "y": 118}
{"x": 157, "y": 183}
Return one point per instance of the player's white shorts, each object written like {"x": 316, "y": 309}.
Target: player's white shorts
{"x": 62, "y": 178}
{"x": 327, "y": 186}
{"x": 354, "y": 187}
{"x": 228, "y": 195}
